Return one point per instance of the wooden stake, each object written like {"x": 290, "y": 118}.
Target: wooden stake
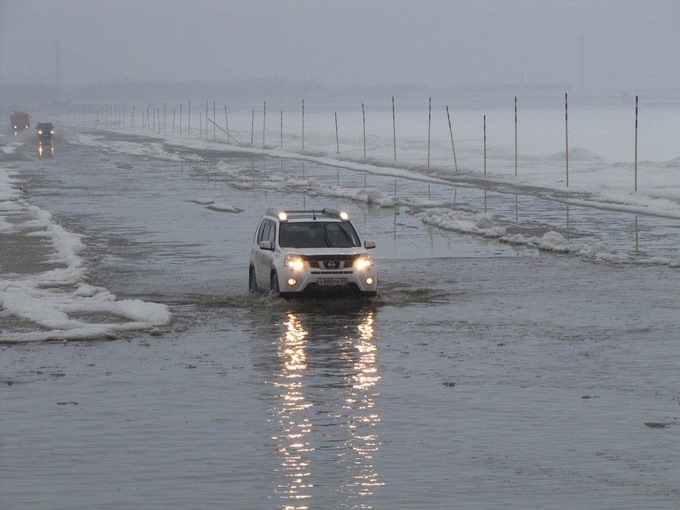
{"x": 636, "y": 144}
{"x": 264, "y": 123}
{"x": 566, "y": 137}
{"x": 394, "y": 132}
{"x": 429, "y": 130}
{"x": 303, "y": 125}
{"x": 515, "y": 136}
{"x": 226, "y": 120}
{"x": 229, "y": 137}
{"x": 363, "y": 115}
{"x": 453, "y": 147}
{"x": 484, "y": 144}
{"x": 214, "y": 118}
{"x": 337, "y": 139}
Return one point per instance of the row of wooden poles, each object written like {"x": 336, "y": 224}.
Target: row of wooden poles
{"x": 116, "y": 116}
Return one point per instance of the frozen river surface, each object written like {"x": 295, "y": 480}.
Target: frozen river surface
{"x": 483, "y": 376}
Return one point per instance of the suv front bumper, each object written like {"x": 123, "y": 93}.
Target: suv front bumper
{"x": 312, "y": 280}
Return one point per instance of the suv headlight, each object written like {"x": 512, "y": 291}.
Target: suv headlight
{"x": 294, "y": 262}
{"x": 363, "y": 262}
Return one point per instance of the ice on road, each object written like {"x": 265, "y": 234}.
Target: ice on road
{"x": 487, "y": 373}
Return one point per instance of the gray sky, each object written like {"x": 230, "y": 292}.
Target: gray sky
{"x": 628, "y": 44}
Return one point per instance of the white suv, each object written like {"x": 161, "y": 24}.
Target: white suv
{"x": 296, "y": 252}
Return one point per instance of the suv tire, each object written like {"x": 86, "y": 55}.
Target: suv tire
{"x": 274, "y": 284}
{"x": 252, "y": 281}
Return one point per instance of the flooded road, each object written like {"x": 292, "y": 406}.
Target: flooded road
{"x": 483, "y": 376}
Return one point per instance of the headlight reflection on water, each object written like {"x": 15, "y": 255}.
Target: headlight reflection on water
{"x": 326, "y": 441}
{"x": 45, "y": 149}
{"x": 294, "y": 429}
{"x": 360, "y": 404}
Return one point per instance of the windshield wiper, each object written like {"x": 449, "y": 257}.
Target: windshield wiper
{"x": 350, "y": 242}
{"x": 326, "y": 238}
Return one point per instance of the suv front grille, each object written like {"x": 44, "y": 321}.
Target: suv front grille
{"x": 330, "y": 262}
{"x": 330, "y": 265}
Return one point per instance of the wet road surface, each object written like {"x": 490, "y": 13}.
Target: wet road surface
{"x": 483, "y": 376}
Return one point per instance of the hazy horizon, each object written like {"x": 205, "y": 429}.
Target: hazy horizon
{"x": 608, "y": 44}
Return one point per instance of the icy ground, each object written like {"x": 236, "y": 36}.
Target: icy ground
{"x": 487, "y": 374}
{"x": 53, "y": 297}
{"x": 601, "y": 140}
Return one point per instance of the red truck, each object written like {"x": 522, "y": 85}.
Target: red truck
{"x": 20, "y": 121}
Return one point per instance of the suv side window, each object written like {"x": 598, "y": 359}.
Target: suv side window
{"x": 271, "y": 236}
{"x": 261, "y": 234}
{"x": 267, "y": 232}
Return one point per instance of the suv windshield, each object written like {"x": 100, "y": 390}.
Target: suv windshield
{"x": 317, "y": 234}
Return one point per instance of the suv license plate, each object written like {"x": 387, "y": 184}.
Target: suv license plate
{"x": 331, "y": 282}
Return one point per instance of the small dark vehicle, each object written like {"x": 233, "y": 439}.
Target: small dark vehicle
{"x": 20, "y": 121}
{"x": 45, "y": 130}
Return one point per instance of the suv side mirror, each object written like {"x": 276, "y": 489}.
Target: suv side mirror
{"x": 369, "y": 245}
{"x": 266, "y": 245}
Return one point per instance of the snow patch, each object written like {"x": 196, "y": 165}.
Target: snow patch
{"x": 11, "y": 147}
{"x": 56, "y": 301}
{"x": 154, "y": 150}
{"x": 224, "y": 208}
{"x": 553, "y": 241}
{"x": 465, "y": 222}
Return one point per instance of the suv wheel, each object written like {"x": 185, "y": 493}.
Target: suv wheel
{"x": 252, "y": 281}
{"x": 274, "y": 285}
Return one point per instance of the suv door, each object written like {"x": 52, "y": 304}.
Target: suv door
{"x": 264, "y": 258}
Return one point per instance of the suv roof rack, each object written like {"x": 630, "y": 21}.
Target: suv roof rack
{"x": 331, "y": 213}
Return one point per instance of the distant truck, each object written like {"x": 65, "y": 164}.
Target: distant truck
{"x": 45, "y": 130}
{"x": 20, "y": 121}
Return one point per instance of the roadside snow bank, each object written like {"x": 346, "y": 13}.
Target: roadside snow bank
{"x": 242, "y": 178}
{"x": 154, "y": 150}
{"x": 465, "y": 223}
{"x": 489, "y": 226}
{"x": 11, "y": 147}
{"x": 57, "y": 304}
{"x": 222, "y": 207}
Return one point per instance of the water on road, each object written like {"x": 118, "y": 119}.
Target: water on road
{"x": 482, "y": 376}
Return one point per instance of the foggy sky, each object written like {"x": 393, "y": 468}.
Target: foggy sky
{"x": 625, "y": 44}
